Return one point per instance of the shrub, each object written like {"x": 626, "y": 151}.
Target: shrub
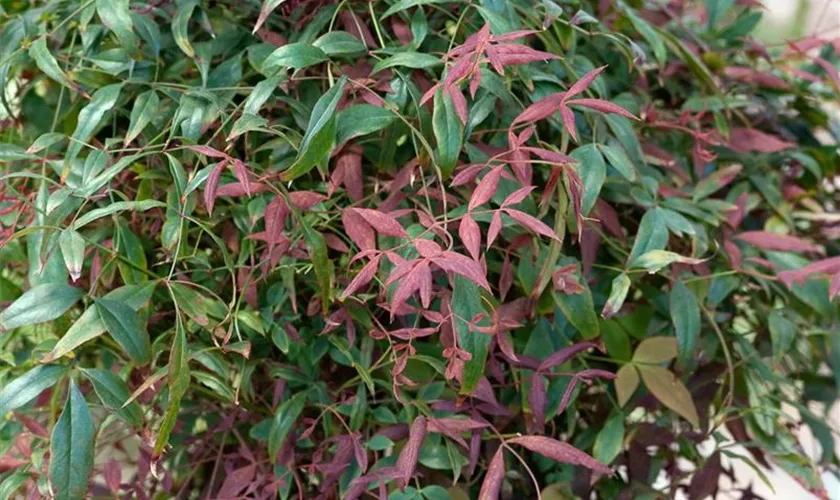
{"x": 412, "y": 249}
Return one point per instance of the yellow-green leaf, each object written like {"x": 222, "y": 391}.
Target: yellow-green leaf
{"x": 670, "y": 391}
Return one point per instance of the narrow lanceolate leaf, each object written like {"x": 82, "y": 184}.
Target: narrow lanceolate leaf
{"x": 324, "y": 268}
{"x": 113, "y": 393}
{"x": 685, "y": 314}
{"x": 410, "y": 454}
{"x": 28, "y": 386}
{"x": 448, "y": 131}
{"x": 593, "y": 172}
{"x": 178, "y": 382}
{"x": 670, "y": 391}
{"x": 381, "y": 222}
{"x": 336, "y": 43}
{"x": 145, "y": 108}
{"x": 293, "y": 55}
{"x": 102, "y": 101}
{"x": 42, "y": 303}
{"x": 619, "y": 160}
{"x": 414, "y": 60}
{"x": 126, "y": 328}
{"x": 778, "y": 242}
{"x": 45, "y": 61}
{"x": 362, "y": 119}
{"x": 319, "y": 139}
{"x": 716, "y": 181}
{"x": 470, "y": 234}
{"x": 654, "y": 260}
{"x": 651, "y": 235}
{"x": 71, "y": 448}
{"x": 115, "y": 14}
{"x": 284, "y": 419}
{"x": 466, "y": 305}
{"x": 119, "y": 206}
{"x": 610, "y": 440}
{"x": 492, "y": 485}
{"x": 561, "y": 452}
{"x": 626, "y": 381}
{"x": 72, "y": 246}
{"x": 180, "y": 26}
{"x": 267, "y": 8}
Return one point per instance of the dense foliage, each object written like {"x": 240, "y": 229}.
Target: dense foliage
{"x": 412, "y": 248}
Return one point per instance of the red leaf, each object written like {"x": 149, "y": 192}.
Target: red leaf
{"x": 825, "y": 266}
{"x": 536, "y": 398}
{"x": 834, "y": 286}
{"x": 242, "y": 175}
{"x": 407, "y": 461}
{"x": 208, "y": 151}
{"x": 745, "y": 140}
{"x": 492, "y": 485}
{"x": 584, "y": 82}
{"x": 531, "y": 223}
{"x": 348, "y": 171}
{"x": 237, "y": 481}
{"x": 541, "y": 109}
{"x": 383, "y": 223}
{"x": 750, "y": 75}
{"x": 568, "y": 117}
{"x": 511, "y": 54}
{"x": 304, "y": 200}
{"x": 505, "y": 278}
{"x": 470, "y": 234}
{"x": 451, "y": 427}
{"x": 275, "y": 219}
{"x": 602, "y": 106}
{"x": 212, "y": 185}
{"x": 565, "y": 354}
{"x": 517, "y": 196}
{"x": 831, "y": 70}
{"x": 466, "y": 175}
{"x": 427, "y": 248}
{"x": 358, "y": 230}
{"x": 706, "y": 480}
{"x": 561, "y": 452}
{"x": 495, "y": 228}
{"x": 463, "y": 265}
{"x": 459, "y": 102}
{"x": 362, "y": 278}
{"x": 486, "y": 188}
{"x": 425, "y": 284}
{"x": 779, "y": 242}
{"x": 409, "y": 284}
{"x": 113, "y": 475}
{"x": 359, "y": 452}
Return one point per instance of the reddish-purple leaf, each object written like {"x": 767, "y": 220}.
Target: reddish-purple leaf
{"x": 705, "y": 481}
{"x": 359, "y": 452}
{"x": 275, "y": 219}
{"x": 495, "y": 228}
{"x": 113, "y": 475}
{"x": 348, "y": 171}
{"x": 358, "y": 230}
{"x": 505, "y": 278}
{"x": 407, "y": 286}
{"x": 517, "y": 196}
{"x": 565, "y": 354}
{"x": 486, "y": 188}
{"x": 754, "y": 76}
{"x": 602, "y": 106}
{"x": 584, "y": 82}
{"x": 825, "y": 266}
{"x": 383, "y": 223}
{"x": 362, "y": 278}
{"x": 451, "y": 427}
{"x": 211, "y": 185}
{"x": 568, "y": 117}
{"x": 561, "y": 452}
{"x": 834, "y": 286}
{"x": 511, "y": 54}
{"x": 427, "y": 248}
{"x": 304, "y": 200}
{"x": 208, "y": 151}
{"x": 470, "y": 234}
{"x": 492, "y": 485}
{"x": 537, "y": 400}
{"x": 425, "y": 286}
{"x": 531, "y": 222}
{"x": 242, "y": 175}
{"x": 237, "y": 481}
{"x": 463, "y": 265}
{"x": 459, "y": 102}
{"x": 745, "y": 140}
{"x": 832, "y": 71}
{"x": 407, "y": 461}
{"x": 541, "y": 109}
{"x": 779, "y": 242}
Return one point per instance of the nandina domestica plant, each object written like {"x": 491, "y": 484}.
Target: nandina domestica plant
{"x": 413, "y": 249}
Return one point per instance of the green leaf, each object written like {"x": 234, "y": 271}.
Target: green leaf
{"x": 90, "y": 325}
{"x": 654, "y": 260}
{"x": 656, "y": 350}
{"x": 102, "y": 101}
{"x": 45, "y": 61}
{"x": 178, "y": 381}
{"x": 13, "y": 482}
{"x": 324, "y": 268}
{"x": 297, "y": 55}
{"x": 401, "y": 5}
{"x": 618, "y": 292}
{"x": 126, "y": 328}
{"x": 44, "y": 141}
{"x": 650, "y": 35}
{"x": 28, "y": 386}
{"x": 116, "y": 16}
{"x": 362, "y": 119}
{"x": 145, "y": 108}
{"x": 71, "y": 448}
{"x": 284, "y": 418}
{"x": 262, "y": 91}
{"x": 113, "y": 393}
{"x": 413, "y": 60}
{"x": 448, "y": 131}
{"x": 626, "y": 381}
{"x": 782, "y": 333}
{"x": 119, "y": 206}
{"x": 618, "y": 160}
{"x": 670, "y": 391}
{"x": 72, "y": 246}
{"x": 685, "y": 314}
{"x": 180, "y": 26}
{"x": 319, "y": 139}
{"x": 651, "y": 235}
{"x": 39, "y": 304}
{"x": 579, "y": 309}
{"x": 692, "y": 60}
{"x": 593, "y": 171}
{"x": 716, "y": 180}
{"x": 610, "y": 440}
{"x": 466, "y": 305}
{"x": 338, "y": 43}
{"x": 715, "y": 9}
